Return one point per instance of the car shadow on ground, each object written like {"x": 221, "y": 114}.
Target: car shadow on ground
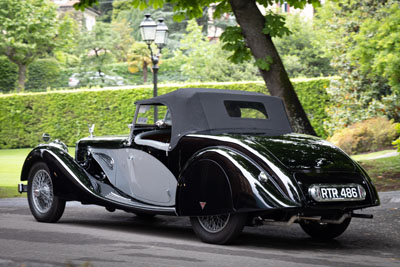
{"x": 282, "y": 237}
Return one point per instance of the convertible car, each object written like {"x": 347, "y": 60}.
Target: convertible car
{"x": 226, "y": 159}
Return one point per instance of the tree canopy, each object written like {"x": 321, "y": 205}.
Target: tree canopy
{"x": 361, "y": 37}
{"x": 253, "y": 37}
{"x": 27, "y": 29}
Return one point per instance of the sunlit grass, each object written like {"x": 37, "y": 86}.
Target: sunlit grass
{"x": 11, "y": 161}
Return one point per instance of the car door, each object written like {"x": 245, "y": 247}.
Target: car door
{"x": 138, "y": 174}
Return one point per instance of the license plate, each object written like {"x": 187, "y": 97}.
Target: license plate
{"x": 331, "y": 193}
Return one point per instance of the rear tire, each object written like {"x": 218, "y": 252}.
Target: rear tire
{"x": 324, "y": 231}
{"x": 218, "y": 229}
{"x": 44, "y": 205}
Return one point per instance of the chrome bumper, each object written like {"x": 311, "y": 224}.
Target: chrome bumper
{"x": 22, "y": 188}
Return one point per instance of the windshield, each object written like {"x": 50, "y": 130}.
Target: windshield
{"x": 146, "y": 114}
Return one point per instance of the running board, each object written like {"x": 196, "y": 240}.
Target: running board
{"x": 137, "y": 206}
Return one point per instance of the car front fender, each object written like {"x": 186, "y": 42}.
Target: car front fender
{"x": 222, "y": 180}
{"x": 69, "y": 178}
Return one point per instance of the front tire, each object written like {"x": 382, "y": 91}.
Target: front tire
{"x": 218, "y": 229}
{"x": 44, "y": 205}
{"x": 324, "y": 231}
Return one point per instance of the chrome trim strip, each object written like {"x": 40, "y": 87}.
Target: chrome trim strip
{"x": 133, "y": 205}
{"x": 130, "y": 202}
{"x": 109, "y": 161}
{"x": 146, "y": 142}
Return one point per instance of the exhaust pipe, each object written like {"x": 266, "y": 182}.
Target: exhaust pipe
{"x": 296, "y": 218}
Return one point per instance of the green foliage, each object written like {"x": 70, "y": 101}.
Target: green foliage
{"x": 28, "y": 29}
{"x": 368, "y": 135}
{"x": 97, "y": 48}
{"x": 301, "y": 52}
{"x": 126, "y": 40}
{"x": 45, "y": 73}
{"x": 122, "y": 70}
{"x": 234, "y": 41}
{"x": 397, "y": 142}
{"x": 8, "y": 75}
{"x": 65, "y": 115}
{"x": 124, "y": 12}
{"x": 232, "y": 36}
{"x": 359, "y": 93}
{"x": 275, "y": 25}
{"x": 139, "y": 58}
{"x": 378, "y": 45}
{"x": 199, "y": 60}
{"x": 68, "y": 35}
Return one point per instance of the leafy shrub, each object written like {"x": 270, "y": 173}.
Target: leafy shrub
{"x": 397, "y": 142}
{"x": 369, "y": 135}
{"x": 8, "y": 75}
{"x": 45, "y": 73}
{"x": 66, "y": 114}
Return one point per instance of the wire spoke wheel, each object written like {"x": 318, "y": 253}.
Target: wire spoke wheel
{"x": 214, "y": 224}
{"x": 43, "y": 203}
{"x": 218, "y": 229}
{"x": 42, "y": 188}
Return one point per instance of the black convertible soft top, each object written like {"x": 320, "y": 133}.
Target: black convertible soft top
{"x": 201, "y": 110}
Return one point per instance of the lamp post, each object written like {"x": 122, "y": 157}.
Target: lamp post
{"x": 157, "y": 33}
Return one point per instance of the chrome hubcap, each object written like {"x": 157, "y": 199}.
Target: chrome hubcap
{"x": 214, "y": 224}
{"x": 42, "y": 189}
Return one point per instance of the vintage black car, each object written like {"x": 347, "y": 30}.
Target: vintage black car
{"x": 224, "y": 158}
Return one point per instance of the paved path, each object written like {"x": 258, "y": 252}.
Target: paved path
{"x": 387, "y": 155}
{"x": 90, "y": 235}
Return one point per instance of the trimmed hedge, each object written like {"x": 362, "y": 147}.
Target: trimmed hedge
{"x": 66, "y": 114}
{"x": 8, "y": 75}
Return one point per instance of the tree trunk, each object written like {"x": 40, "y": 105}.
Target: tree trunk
{"x": 21, "y": 78}
{"x": 144, "y": 71}
{"x": 251, "y": 22}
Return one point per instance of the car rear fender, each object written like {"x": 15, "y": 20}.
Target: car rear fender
{"x": 222, "y": 180}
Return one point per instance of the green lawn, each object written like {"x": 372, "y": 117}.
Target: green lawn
{"x": 385, "y": 172}
{"x": 11, "y": 161}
